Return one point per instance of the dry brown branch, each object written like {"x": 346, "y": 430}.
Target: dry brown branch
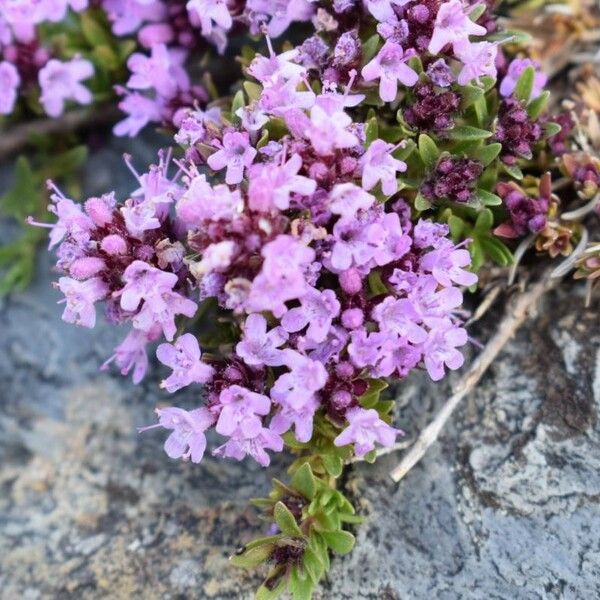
{"x": 516, "y": 315}
{"x": 18, "y": 137}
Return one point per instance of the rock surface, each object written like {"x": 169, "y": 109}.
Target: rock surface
{"x": 505, "y": 506}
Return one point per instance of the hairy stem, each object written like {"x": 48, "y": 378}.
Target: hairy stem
{"x": 516, "y": 315}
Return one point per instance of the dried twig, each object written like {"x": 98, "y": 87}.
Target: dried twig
{"x": 20, "y": 136}
{"x": 515, "y": 317}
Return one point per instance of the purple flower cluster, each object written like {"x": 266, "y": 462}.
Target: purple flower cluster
{"x": 25, "y": 63}
{"x": 525, "y": 214}
{"x": 452, "y": 179}
{"x": 301, "y": 239}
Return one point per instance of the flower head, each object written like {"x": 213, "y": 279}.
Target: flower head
{"x": 187, "y": 439}
{"x": 184, "y": 358}
{"x": 452, "y": 25}
{"x": 364, "y": 429}
{"x": 390, "y": 68}
{"x": 61, "y": 81}
{"x": 258, "y": 347}
{"x": 235, "y": 155}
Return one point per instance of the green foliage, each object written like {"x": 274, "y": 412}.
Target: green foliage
{"x": 28, "y": 196}
{"x": 310, "y": 514}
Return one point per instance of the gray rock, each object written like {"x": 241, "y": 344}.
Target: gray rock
{"x": 505, "y": 506}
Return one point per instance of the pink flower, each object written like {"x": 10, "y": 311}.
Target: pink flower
{"x": 61, "y": 81}
{"x": 161, "y": 308}
{"x": 400, "y": 317}
{"x": 139, "y": 217}
{"x": 317, "y": 310}
{"x": 440, "y": 348}
{"x": 240, "y": 410}
{"x": 142, "y": 281}
{"x": 211, "y": 13}
{"x": 283, "y": 13}
{"x": 201, "y": 203}
{"x": 305, "y": 378}
{"x": 390, "y": 68}
{"x": 187, "y": 439}
{"x": 446, "y": 263}
{"x": 255, "y": 445}
{"x": 276, "y": 66}
{"x": 236, "y": 154}
{"x": 131, "y": 353}
{"x": 281, "y": 277}
{"x": 452, "y": 25}
{"x": 270, "y": 185}
{"x": 9, "y": 83}
{"x": 184, "y": 358}
{"x": 383, "y": 10}
{"x": 80, "y": 297}
{"x": 328, "y": 132}
{"x": 478, "y": 59}
{"x": 364, "y": 429}
{"x": 346, "y": 199}
{"x": 378, "y": 164}
{"x": 162, "y": 71}
{"x": 141, "y": 110}
{"x": 515, "y": 70}
{"x": 258, "y": 347}
{"x": 301, "y": 418}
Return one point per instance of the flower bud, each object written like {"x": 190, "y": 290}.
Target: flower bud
{"x": 341, "y": 399}
{"x": 99, "y": 210}
{"x": 352, "y": 318}
{"x": 351, "y": 281}
{"x": 114, "y": 244}
{"x": 344, "y": 370}
{"x": 87, "y": 266}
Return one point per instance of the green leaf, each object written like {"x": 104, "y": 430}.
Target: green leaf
{"x": 237, "y": 103}
{"x": 525, "y": 84}
{"x": 313, "y": 565}
{"x": 484, "y": 222}
{"x": 264, "y": 593}
{"x": 469, "y": 95}
{"x": 537, "y": 106}
{"x": 514, "y": 171}
{"x": 21, "y": 198}
{"x": 477, "y": 12}
{"x": 285, "y": 520}
{"x": 457, "y": 226}
{"x": 93, "y": 32}
{"x": 487, "y": 198}
{"x": 421, "y": 203}
{"x": 551, "y": 128}
{"x": 301, "y": 588}
{"x": 496, "y": 250}
{"x": 253, "y": 557}
{"x": 341, "y": 542}
{"x": 264, "y": 139}
{"x": 369, "y": 48}
{"x": 304, "y": 482}
{"x": 371, "y": 131}
{"x": 489, "y": 153}
{"x": 253, "y": 90}
{"x": 466, "y": 132}
{"x": 333, "y": 464}
{"x": 428, "y": 150}
{"x": 370, "y": 398}
{"x": 376, "y": 285}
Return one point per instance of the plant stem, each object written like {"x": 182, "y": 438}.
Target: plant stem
{"x": 20, "y": 136}
{"x": 515, "y": 316}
